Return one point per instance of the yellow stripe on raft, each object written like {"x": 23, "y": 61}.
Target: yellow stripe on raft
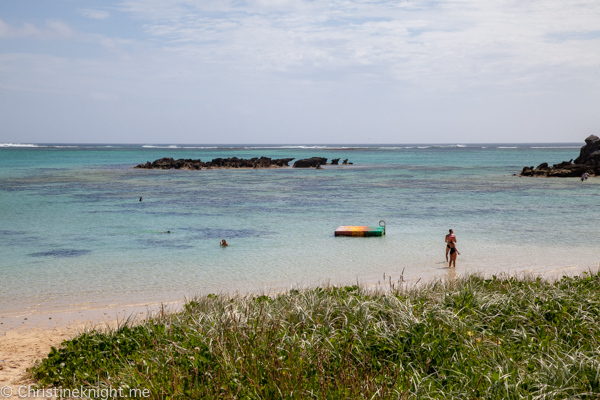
{"x": 359, "y": 231}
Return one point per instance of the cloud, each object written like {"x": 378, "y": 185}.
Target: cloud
{"x": 442, "y": 44}
{"x": 54, "y": 29}
{"x": 94, "y": 14}
{"x": 59, "y": 29}
{"x": 9, "y": 31}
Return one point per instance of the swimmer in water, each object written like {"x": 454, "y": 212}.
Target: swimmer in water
{"x": 224, "y": 243}
{"x": 141, "y": 199}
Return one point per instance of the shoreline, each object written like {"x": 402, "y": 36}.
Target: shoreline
{"x": 25, "y": 340}
{"x": 62, "y": 316}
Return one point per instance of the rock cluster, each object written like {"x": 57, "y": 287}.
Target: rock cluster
{"x": 588, "y": 161}
{"x": 316, "y": 162}
{"x": 233, "y": 162}
{"x": 312, "y": 162}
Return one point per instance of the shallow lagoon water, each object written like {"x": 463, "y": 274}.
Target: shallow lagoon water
{"x": 75, "y": 235}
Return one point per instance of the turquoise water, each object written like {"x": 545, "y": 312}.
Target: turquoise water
{"x": 74, "y": 234}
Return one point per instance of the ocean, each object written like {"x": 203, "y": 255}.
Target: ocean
{"x": 74, "y": 234}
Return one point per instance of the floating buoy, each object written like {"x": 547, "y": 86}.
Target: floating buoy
{"x": 362, "y": 231}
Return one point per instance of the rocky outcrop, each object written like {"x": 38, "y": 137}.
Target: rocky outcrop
{"x": 564, "y": 171}
{"x": 590, "y": 153}
{"x": 233, "y": 162}
{"x": 588, "y": 161}
{"x": 312, "y": 162}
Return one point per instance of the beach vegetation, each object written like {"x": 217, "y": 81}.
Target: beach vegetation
{"x": 473, "y": 337}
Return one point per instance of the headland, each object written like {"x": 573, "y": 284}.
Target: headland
{"x": 588, "y": 162}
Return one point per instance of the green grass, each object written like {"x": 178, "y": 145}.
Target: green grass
{"x": 500, "y": 338}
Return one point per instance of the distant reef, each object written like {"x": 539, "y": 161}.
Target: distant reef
{"x": 234, "y": 162}
{"x": 588, "y": 161}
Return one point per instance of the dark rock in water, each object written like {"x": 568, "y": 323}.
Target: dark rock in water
{"x": 562, "y": 164}
{"x": 588, "y": 161}
{"x": 282, "y": 162}
{"x": 233, "y": 162}
{"x": 527, "y": 171}
{"x": 590, "y": 153}
{"x": 312, "y": 162}
{"x": 345, "y": 162}
{"x": 570, "y": 171}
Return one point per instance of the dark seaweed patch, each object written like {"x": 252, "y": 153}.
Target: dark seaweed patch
{"x": 171, "y": 244}
{"x": 61, "y": 253}
{"x": 7, "y": 233}
{"x": 174, "y": 213}
{"x": 17, "y": 238}
{"x": 216, "y": 233}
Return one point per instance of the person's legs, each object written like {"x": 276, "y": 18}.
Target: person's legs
{"x": 452, "y": 260}
{"x": 447, "y": 250}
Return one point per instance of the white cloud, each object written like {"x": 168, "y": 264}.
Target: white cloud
{"x": 459, "y": 42}
{"x": 59, "y": 29}
{"x": 94, "y": 14}
{"x": 54, "y": 29}
{"x": 9, "y": 31}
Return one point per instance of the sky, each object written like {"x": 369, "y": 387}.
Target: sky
{"x": 299, "y": 71}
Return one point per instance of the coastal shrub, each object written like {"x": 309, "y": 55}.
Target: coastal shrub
{"x": 498, "y": 338}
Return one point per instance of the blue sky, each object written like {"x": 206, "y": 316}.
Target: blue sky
{"x": 298, "y": 71}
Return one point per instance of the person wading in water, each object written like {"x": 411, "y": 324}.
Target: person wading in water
{"x": 450, "y": 238}
{"x": 453, "y": 253}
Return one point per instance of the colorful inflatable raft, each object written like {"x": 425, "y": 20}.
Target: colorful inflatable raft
{"x": 361, "y": 230}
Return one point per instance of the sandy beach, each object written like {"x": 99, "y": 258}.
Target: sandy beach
{"x": 20, "y": 348}
{"x": 26, "y": 338}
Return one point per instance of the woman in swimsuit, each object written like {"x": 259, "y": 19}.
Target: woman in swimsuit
{"x": 453, "y": 253}
{"x": 449, "y": 238}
